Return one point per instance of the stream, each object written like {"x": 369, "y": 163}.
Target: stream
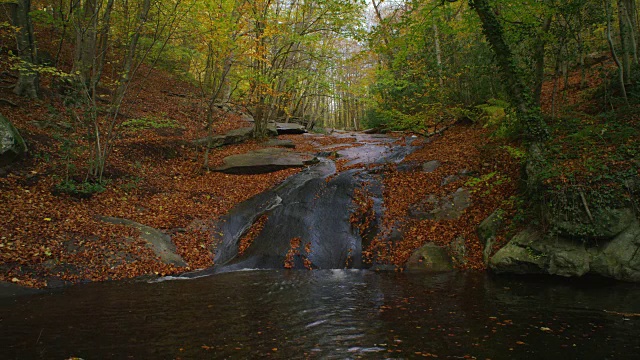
{"x": 327, "y": 314}
{"x": 247, "y": 306}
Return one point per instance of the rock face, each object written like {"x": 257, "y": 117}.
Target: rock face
{"x": 430, "y": 258}
{"x": 158, "y": 241}
{"x": 533, "y": 252}
{"x": 264, "y": 161}
{"x": 12, "y": 145}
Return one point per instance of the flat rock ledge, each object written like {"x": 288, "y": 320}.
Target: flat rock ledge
{"x": 158, "y": 241}
{"x": 232, "y": 137}
{"x": 290, "y": 128}
{"x": 264, "y": 161}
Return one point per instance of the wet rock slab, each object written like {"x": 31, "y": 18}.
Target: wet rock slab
{"x": 264, "y": 161}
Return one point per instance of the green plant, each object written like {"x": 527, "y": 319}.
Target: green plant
{"x": 81, "y": 190}
{"x": 516, "y": 153}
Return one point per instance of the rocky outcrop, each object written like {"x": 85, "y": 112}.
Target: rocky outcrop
{"x": 12, "y": 146}
{"x": 264, "y": 161}
{"x": 158, "y": 241}
{"x": 535, "y": 252}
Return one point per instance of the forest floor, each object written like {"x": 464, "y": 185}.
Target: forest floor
{"x": 156, "y": 178}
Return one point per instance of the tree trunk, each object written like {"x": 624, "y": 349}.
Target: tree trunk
{"x": 539, "y": 60}
{"x": 536, "y": 129}
{"x": 625, "y": 53}
{"x": 28, "y": 80}
{"x": 131, "y": 55}
{"x": 528, "y": 115}
{"x": 607, "y": 5}
{"x": 86, "y": 33}
{"x": 436, "y": 35}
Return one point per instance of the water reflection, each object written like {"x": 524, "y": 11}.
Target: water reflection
{"x": 333, "y": 314}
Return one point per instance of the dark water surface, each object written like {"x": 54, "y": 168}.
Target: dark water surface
{"x": 327, "y": 314}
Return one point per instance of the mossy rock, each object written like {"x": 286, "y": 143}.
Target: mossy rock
{"x": 492, "y": 112}
{"x": 12, "y": 145}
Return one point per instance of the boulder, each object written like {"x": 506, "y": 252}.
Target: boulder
{"x": 232, "y": 137}
{"x": 620, "y": 258}
{"x": 449, "y": 179}
{"x": 290, "y": 128}
{"x": 532, "y": 252}
{"x": 430, "y": 258}
{"x": 12, "y": 146}
{"x": 264, "y": 161}
{"x": 430, "y": 166}
{"x": 158, "y": 241}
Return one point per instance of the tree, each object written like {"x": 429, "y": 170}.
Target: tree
{"x": 28, "y": 80}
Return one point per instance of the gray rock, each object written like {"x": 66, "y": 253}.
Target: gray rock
{"x": 449, "y": 207}
{"x": 12, "y": 145}
{"x": 518, "y": 257}
{"x": 620, "y": 258}
{"x": 264, "y": 161}
{"x": 458, "y": 250}
{"x": 158, "y": 241}
{"x": 533, "y": 252}
{"x": 449, "y": 179}
{"x": 290, "y": 128}
{"x": 246, "y": 117}
{"x": 281, "y": 143}
{"x": 452, "y": 206}
{"x": 430, "y": 166}
{"x": 430, "y": 258}
{"x": 232, "y": 137}
{"x": 487, "y": 231}
{"x": 271, "y": 129}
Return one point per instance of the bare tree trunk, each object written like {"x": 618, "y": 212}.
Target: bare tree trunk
{"x": 28, "y": 80}
{"x": 102, "y": 50}
{"x": 86, "y": 33}
{"x": 624, "y": 41}
{"x": 632, "y": 26}
{"x": 539, "y": 60}
{"x": 621, "y": 71}
{"x": 131, "y": 54}
{"x": 436, "y": 36}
